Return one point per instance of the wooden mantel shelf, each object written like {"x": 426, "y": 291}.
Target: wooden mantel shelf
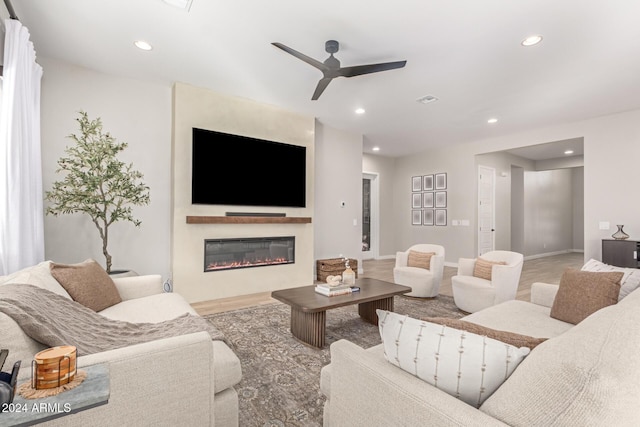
{"x": 248, "y": 220}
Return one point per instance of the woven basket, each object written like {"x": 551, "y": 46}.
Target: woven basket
{"x": 334, "y": 267}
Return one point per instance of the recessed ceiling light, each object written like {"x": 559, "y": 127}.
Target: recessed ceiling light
{"x": 492, "y": 120}
{"x": 141, "y": 44}
{"x": 568, "y": 152}
{"x": 360, "y": 111}
{"x": 376, "y": 148}
{"x": 427, "y": 99}
{"x": 531, "y": 40}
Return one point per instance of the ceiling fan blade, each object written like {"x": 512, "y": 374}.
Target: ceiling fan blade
{"x": 322, "y": 85}
{"x": 358, "y": 70}
{"x": 319, "y": 65}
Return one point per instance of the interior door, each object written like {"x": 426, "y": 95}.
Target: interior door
{"x": 370, "y": 216}
{"x": 486, "y": 209}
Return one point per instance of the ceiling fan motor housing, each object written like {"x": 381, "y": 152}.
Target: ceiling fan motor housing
{"x": 331, "y": 46}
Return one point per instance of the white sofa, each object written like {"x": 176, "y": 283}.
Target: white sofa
{"x": 587, "y": 374}
{"x": 184, "y": 380}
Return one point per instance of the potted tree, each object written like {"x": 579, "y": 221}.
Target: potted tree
{"x": 96, "y": 183}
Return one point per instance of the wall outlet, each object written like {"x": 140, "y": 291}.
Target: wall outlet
{"x": 355, "y": 222}
{"x": 465, "y": 222}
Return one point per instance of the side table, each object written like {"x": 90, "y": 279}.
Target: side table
{"x": 94, "y": 391}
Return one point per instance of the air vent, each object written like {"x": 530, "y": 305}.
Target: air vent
{"x": 427, "y": 99}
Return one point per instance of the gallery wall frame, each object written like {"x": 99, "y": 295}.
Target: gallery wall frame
{"x": 427, "y": 200}
{"x": 441, "y": 199}
{"x": 416, "y": 217}
{"x": 427, "y": 182}
{"x": 416, "y": 200}
{"x": 441, "y": 217}
{"x": 416, "y": 183}
{"x": 427, "y": 217}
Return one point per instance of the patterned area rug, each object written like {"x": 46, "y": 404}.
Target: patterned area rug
{"x": 281, "y": 376}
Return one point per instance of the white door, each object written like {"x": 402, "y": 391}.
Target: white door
{"x": 370, "y": 207}
{"x": 486, "y": 208}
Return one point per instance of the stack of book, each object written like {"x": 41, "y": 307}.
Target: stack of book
{"x": 331, "y": 291}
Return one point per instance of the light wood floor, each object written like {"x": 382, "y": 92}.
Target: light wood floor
{"x": 547, "y": 269}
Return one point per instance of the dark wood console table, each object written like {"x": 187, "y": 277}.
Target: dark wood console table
{"x": 621, "y": 253}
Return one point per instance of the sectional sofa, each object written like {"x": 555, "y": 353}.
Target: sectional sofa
{"x": 182, "y": 380}
{"x": 584, "y": 374}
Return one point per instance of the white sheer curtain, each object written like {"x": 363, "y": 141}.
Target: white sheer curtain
{"x": 21, "y": 205}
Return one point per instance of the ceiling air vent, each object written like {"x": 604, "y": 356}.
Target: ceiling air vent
{"x": 427, "y": 99}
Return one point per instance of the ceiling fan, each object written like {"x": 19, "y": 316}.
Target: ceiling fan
{"x": 331, "y": 66}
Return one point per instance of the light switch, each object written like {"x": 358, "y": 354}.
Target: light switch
{"x": 604, "y": 225}
{"x": 464, "y": 222}
{"x": 455, "y": 222}
{"x": 355, "y": 222}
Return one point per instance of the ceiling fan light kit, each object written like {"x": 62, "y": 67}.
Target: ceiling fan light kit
{"x": 331, "y": 66}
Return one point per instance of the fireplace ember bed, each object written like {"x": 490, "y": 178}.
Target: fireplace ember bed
{"x": 227, "y": 254}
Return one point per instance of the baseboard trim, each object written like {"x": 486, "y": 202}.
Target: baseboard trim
{"x": 546, "y": 254}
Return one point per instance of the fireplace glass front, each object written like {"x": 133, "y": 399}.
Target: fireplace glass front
{"x": 225, "y": 254}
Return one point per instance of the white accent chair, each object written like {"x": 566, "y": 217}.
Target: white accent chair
{"x": 424, "y": 283}
{"x": 473, "y": 294}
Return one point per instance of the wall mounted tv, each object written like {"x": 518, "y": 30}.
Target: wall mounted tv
{"x": 238, "y": 170}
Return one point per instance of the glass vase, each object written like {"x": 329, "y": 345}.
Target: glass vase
{"x": 620, "y": 234}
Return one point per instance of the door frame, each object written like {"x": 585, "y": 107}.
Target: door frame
{"x": 492, "y": 171}
{"x": 374, "y": 250}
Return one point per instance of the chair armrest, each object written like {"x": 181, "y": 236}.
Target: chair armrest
{"x": 139, "y": 286}
{"x": 543, "y": 293}
{"x": 401, "y": 259}
{"x": 152, "y": 383}
{"x": 466, "y": 266}
{"x": 505, "y": 279}
{"x": 437, "y": 267}
{"x": 366, "y": 390}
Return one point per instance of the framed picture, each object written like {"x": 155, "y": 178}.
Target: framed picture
{"x": 416, "y": 183}
{"x": 427, "y": 182}
{"x": 441, "y": 181}
{"x": 416, "y": 217}
{"x": 427, "y": 199}
{"x": 428, "y": 217}
{"x": 416, "y": 200}
{"x": 441, "y": 217}
{"x": 441, "y": 199}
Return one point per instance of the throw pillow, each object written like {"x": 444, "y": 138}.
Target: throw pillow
{"x": 87, "y": 283}
{"x": 511, "y": 338}
{"x": 483, "y": 267}
{"x": 582, "y": 293}
{"x": 630, "y": 281}
{"x": 420, "y": 259}
{"x": 465, "y": 365}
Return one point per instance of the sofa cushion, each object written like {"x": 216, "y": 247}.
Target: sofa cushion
{"x": 87, "y": 283}
{"x": 520, "y": 317}
{"x": 511, "y": 338}
{"x": 419, "y": 259}
{"x": 582, "y": 293}
{"x": 37, "y": 275}
{"x": 589, "y": 375}
{"x": 465, "y": 365}
{"x": 151, "y": 309}
{"x": 630, "y": 281}
{"x": 483, "y": 268}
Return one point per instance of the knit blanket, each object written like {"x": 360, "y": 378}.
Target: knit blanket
{"x": 54, "y": 320}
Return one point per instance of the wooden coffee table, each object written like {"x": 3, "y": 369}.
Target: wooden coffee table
{"x": 309, "y": 309}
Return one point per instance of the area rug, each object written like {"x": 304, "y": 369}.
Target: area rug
{"x": 281, "y": 376}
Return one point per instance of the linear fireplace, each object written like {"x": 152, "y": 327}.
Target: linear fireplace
{"x": 225, "y": 254}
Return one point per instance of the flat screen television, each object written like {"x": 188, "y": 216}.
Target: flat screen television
{"x": 238, "y": 170}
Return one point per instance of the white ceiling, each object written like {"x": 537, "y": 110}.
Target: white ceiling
{"x": 465, "y": 52}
